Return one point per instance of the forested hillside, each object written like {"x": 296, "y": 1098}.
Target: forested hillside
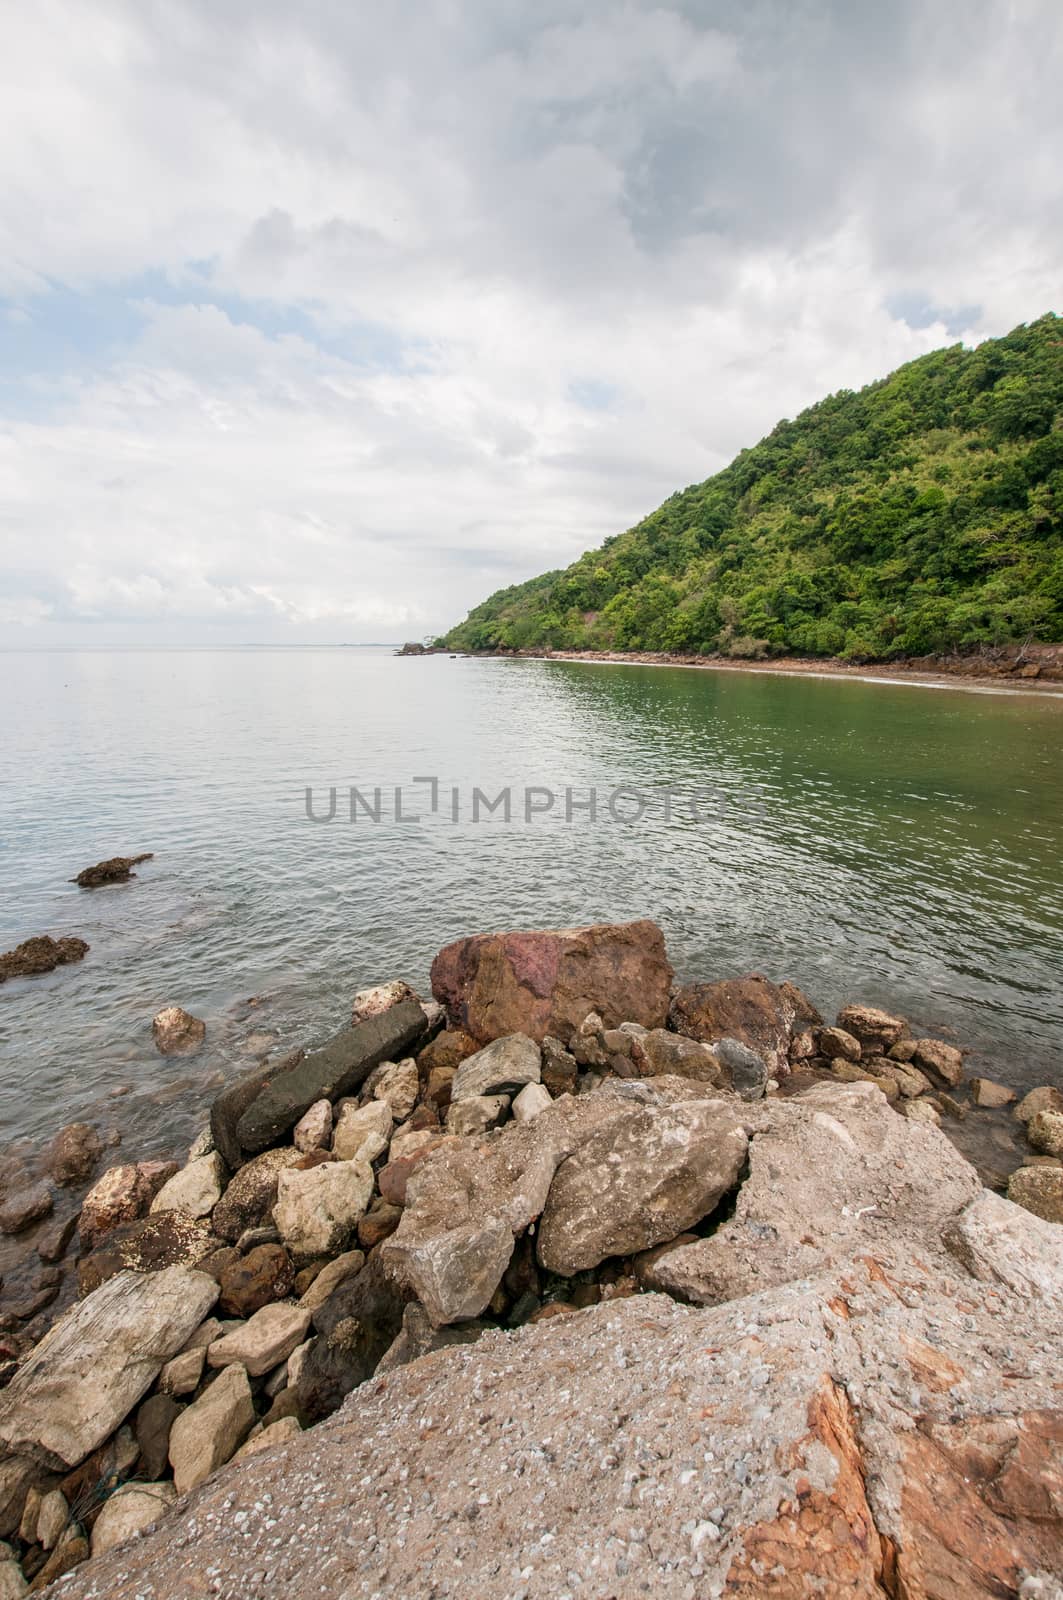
{"x": 923, "y": 514}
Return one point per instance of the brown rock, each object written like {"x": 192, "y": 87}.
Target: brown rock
{"x": 264, "y": 1274}
{"x": 547, "y": 982}
{"x": 378, "y": 1224}
{"x": 661, "y": 1051}
{"x": 122, "y": 1194}
{"x": 170, "y": 1239}
{"x": 116, "y": 869}
{"x": 944, "y": 1061}
{"x": 837, "y": 1044}
{"x": 393, "y": 1178}
{"x": 68, "y": 1554}
{"x": 446, "y": 1052}
{"x": 73, "y": 1153}
{"x": 155, "y": 1418}
{"x": 751, "y": 1010}
{"x": 1044, "y": 1098}
{"x": 1045, "y": 1132}
{"x": 177, "y": 1032}
{"x": 984, "y": 1092}
{"x": 23, "y": 1207}
{"x": 54, "y": 1243}
{"x": 1040, "y": 1190}
{"x": 249, "y": 1200}
{"x": 877, "y": 1031}
{"x": 41, "y": 954}
{"x": 438, "y": 1085}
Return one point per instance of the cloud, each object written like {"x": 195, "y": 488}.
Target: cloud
{"x": 331, "y": 318}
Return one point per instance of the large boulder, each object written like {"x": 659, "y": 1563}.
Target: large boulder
{"x": 641, "y": 1181}
{"x": 546, "y": 983}
{"x": 98, "y": 1361}
{"x": 337, "y": 1069}
{"x": 752, "y": 1010}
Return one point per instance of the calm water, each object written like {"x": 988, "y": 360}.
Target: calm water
{"x": 898, "y": 845}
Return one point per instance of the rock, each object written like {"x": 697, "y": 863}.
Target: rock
{"x": 378, "y": 1224}
{"x": 438, "y": 1087}
{"x": 805, "y": 1013}
{"x": 532, "y": 1099}
{"x": 330, "y": 1277}
{"x": 336, "y": 1070}
{"x": 922, "y": 1111}
{"x": 22, "y": 1209}
{"x": 251, "y": 1195}
{"x": 559, "y": 1069}
{"x": 195, "y": 1190}
{"x": 207, "y": 1432}
{"x": 877, "y": 1031}
{"x": 1040, "y": 1190}
{"x": 129, "y": 1512}
{"x": 1002, "y": 1243}
{"x": 73, "y": 1153}
{"x": 234, "y": 1100}
{"x": 1045, "y": 1132}
{"x": 97, "y": 1362}
{"x": 802, "y": 1047}
{"x": 830, "y": 1173}
{"x": 182, "y": 1374}
{"x": 362, "y": 1132}
{"x": 396, "y": 1085}
{"x": 313, "y": 1131}
{"x": 177, "y": 1032}
{"x": 267, "y": 1338}
{"x": 745, "y": 1070}
{"x": 408, "y": 1142}
{"x": 116, "y": 869}
{"x": 640, "y": 1182}
{"x": 659, "y": 1051}
{"x": 446, "y": 1052}
{"x": 251, "y": 1238}
{"x": 944, "y": 1061}
{"x": 467, "y": 1201}
{"x": 171, "y": 1239}
{"x": 330, "y": 1072}
{"x": 71, "y": 1551}
{"x": 52, "y": 1518}
{"x": 502, "y": 1067}
{"x": 41, "y": 954}
{"x": 1044, "y": 1098}
{"x": 154, "y": 1420}
{"x": 54, "y": 1243}
{"x": 264, "y": 1274}
{"x": 354, "y": 1327}
{"x": 12, "y": 1583}
{"x": 984, "y": 1092}
{"x": 470, "y": 1117}
{"x": 546, "y": 982}
{"x": 909, "y": 1080}
{"x": 19, "y": 1478}
{"x": 837, "y": 1044}
{"x": 317, "y": 1211}
{"x": 752, "y": 1010}
{"x": 393, "y": 1179}
{"x": 122, "y": 1194}
{"x": 417, "y": 1337}
{"x": 380, "y": 998}
{"x": 277, "y": 1433}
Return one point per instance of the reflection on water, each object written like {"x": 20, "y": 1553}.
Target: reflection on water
{"x": 895, "y": 845}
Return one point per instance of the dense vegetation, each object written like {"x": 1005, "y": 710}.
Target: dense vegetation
{"x": 923, "y": 514}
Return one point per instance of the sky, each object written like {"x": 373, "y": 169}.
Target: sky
{"x": 320, "y": 323}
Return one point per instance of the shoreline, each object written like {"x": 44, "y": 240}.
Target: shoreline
{"x": 907, "y": 674}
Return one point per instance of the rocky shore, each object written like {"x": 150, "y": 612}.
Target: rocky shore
{"x": 569, "y": 1280}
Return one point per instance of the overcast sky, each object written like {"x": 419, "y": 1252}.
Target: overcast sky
{"x": 323, "y": 321}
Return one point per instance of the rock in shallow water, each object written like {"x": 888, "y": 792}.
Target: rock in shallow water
{"x": 177, "y": 1032}
{"x": 73, "y": 1153}
{"x": 39, "y": 955}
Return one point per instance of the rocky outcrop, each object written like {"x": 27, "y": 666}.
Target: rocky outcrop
{"x": 752, "y": 1010}
{"x": 546, "y": 983}
{"x": 116, "y": 869}
{"x": 87, "y": 1376}
{"x": 39, "y": 955}
{"x": 177, "y": 1032}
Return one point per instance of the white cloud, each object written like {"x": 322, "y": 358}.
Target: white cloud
{"x": 411, "y": 242}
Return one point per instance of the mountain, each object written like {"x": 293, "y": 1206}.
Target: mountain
{"x": 923, "y": 514}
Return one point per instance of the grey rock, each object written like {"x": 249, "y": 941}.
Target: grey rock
{"x": 502, "y": 1067}
{"x": 747, "y": 1072}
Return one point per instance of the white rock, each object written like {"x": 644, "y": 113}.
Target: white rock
{"x": 313, "y": 1131}
{"x": 501, "y": 1067}
{"x": 331, "y": 1276}
{"x": 316, "y": 1211}
{"x": 128, "y": 1512}
{"x": 265, "y": 1339}
{"x": 1000, "y": 1242}
{"x": 533, "y": 1098}
{"x": 362, "y": 1132}
{"x": 196, "y": 1189}
{"x": 88, "y": 1373}
{"x": 397, "y": 1083}
{"x": 205, "y": 1435}
{"x": 475, "y": 1114}
{"x": 379, "y": 998}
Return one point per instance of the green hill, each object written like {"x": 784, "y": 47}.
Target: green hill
{"x": 923, "y": 514}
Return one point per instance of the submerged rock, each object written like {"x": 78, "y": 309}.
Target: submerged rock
{"x": 116, "y": 869}
{"x": 39, "y": 955}
{"x": 97, "y": 1362}
{"x": 73, "y": 1154}
{"x": 177, "y": 1032}
{"x": 546, "y": 982}
{"x": 25, "y": 1206}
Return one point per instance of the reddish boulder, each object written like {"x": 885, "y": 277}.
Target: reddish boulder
{"x": 263, "y": 1275}
{"x": 752, "y": 1010}
{"x": 546, "y": 982}
{"x": 122, "y": 1194}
